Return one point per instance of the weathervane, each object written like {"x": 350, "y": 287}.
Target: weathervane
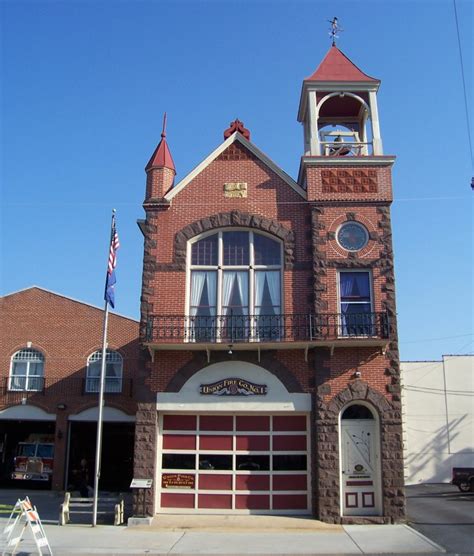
{"x": 335, "y": 29}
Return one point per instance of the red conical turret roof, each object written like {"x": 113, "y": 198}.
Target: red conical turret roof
{"x": 161, "y": 158}
{"x": 336, "y": 66}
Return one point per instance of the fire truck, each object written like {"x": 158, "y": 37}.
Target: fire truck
{"x": 34, "y": 459}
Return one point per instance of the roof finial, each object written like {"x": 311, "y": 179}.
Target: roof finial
{"x": 163, "y": 133}
{"x": 234, "y": 126}
{"x": 335, "y": 29}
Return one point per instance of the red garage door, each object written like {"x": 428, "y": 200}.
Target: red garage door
{"x": 232, "y": 463}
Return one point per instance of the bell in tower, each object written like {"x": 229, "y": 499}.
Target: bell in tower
{"x": 338, "y": 109}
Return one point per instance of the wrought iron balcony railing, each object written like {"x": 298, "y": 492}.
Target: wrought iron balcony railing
{"x": 232, "y": 329}
{"x": 18, "y": 390}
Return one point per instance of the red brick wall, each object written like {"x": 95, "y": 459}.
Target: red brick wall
{"x": 334, "y": 182}
{"x": 66, "y": 332}
{"x": 335, "y": 195}
{"x": 269, "y": 196}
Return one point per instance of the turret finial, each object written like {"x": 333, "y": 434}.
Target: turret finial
{"x": 163, "y": 133}
{"x": 335, "y": 29}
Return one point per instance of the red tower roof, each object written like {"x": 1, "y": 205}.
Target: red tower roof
{"x": 161, "y": 158}
{"x": 336, "y": 66}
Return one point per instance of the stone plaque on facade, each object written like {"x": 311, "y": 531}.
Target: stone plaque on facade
{"x": 177, "y": 480}
{"x": 235, "y": 189}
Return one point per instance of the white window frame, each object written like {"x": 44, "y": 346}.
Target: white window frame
{"x": 112, "y": 384}
{"x": 26, "y": 355}
{"x": 367, "y": 271}
{"x": 251, "y": 268}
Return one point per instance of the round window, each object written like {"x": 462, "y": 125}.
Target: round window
{"x": 352, "y": 236}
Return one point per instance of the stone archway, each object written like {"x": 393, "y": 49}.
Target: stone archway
{"x": 327, "y": 455}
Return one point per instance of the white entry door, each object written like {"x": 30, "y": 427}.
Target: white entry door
{"x": 360, "y": 482}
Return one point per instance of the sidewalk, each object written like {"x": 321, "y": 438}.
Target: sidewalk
{"x": 226, "y": 535}
{"x": 224, "y": 539}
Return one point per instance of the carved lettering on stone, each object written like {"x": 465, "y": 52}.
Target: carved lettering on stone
{"x": 235, "y": 190}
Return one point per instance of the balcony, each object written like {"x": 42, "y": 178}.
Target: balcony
{"x": 15, "y": 390}
{"x": 291, "y": 331}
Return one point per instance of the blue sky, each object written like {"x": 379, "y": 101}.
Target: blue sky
{"x": 85, "y": 85}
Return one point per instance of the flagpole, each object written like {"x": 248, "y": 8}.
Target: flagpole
{"x": 98, "y": 450}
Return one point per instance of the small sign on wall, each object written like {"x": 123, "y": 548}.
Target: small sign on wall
{"x": 141, "y": 483}
{"x": 177, "y": 480}
{"x": 235, "y": 190}
{"x": 233, "y": 387}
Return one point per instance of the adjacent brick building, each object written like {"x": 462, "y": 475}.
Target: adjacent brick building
{"x": 50, "y": 357}
{"x": 268, "y": 321}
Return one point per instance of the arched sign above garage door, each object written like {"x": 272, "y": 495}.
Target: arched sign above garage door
{"x": 233, "y": 386}
{"x": 110, "y": 414}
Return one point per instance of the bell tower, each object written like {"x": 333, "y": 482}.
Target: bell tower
{"x": 348, "y": 181}
{"x": 339, "y": 113}
{"x": 339, "y": 101}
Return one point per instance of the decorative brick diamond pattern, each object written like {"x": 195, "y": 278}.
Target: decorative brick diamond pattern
{"x": 349, "y": 181}
{"x": 236, "y": 151}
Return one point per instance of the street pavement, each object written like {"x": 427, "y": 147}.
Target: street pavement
{"x": 444, "y": 514}
{"x": 180, "y": 535}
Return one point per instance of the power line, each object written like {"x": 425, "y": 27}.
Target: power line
{"x": 187, "y": 205}
{"x": 464, "y": 86}
{"x": 436, "y": 339}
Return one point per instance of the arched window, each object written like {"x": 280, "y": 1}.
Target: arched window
{"x": 357, "y": 411}
{"x": 27, "y": 370}
{"x": 113, "y": 372}
{"x": 235, "y": 286}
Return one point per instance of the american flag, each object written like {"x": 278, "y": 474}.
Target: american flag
{"x": 112, "y": 263}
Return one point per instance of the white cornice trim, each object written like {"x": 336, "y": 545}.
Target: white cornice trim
{"x": 68, "y": 299}
{"x": 236, "y": 136}
{"x": 348, "y": 160}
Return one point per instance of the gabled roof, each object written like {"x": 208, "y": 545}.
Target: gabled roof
{"x": 161, "y": 158}
{"x": 44, "y": 290}
{"x": 236, "y": 136}
{"x": 336, "y": 66}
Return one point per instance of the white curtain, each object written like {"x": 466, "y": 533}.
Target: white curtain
{"x": 273, "y": 282}
{"x": 227, "y": 285}
{"x": 197, "y": 287}
{"x": 259, "y": 289}
{"x": 232, "y": 278}
{"x": 243, "y": 283}
{"x": 211, "y": 291}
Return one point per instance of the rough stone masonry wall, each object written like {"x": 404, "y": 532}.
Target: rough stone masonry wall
{"x": 381, "y": 387}
{"x": 146, "y": 434}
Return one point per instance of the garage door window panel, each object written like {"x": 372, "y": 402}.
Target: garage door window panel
{"x": 179, "y": 461}
{"x": 235, "y": 464}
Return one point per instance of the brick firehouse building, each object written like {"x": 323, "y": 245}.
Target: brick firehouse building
{"x": 268, "y": 321}
{"x": 50, "y": 355}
